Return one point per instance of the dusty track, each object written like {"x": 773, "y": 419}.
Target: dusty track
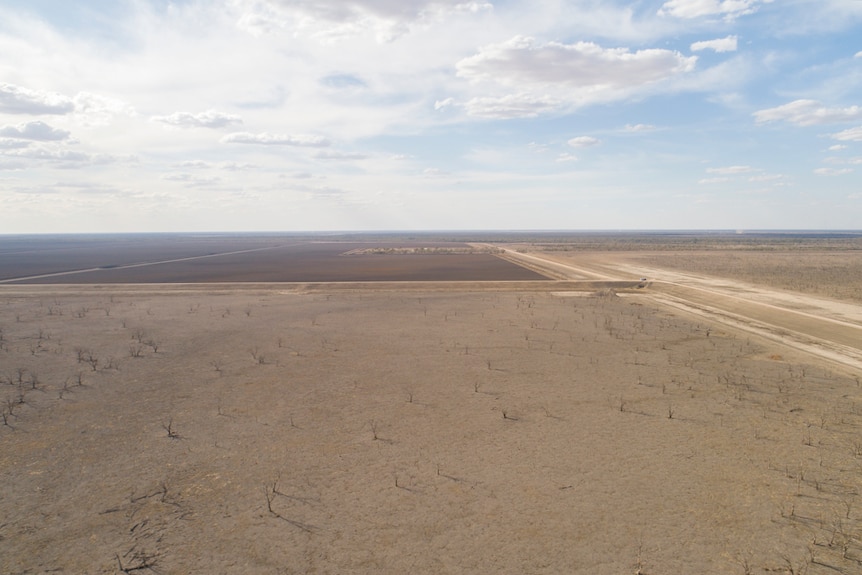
{"x": 828, "y": 329}
{"x": 47, "y": 290}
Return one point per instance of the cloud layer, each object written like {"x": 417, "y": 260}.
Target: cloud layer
{"x": 18, "y": 100}
{"x": 367, "y": 114}
{"x": 552, "y": 76}
{"x": 267, "y": 139}
{"x": 808, "y": 113}
{"x": 208, "y": 119}
{"x": 35, "y": 130}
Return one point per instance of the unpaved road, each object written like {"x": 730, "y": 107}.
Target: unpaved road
{"x": 828, "y": 329}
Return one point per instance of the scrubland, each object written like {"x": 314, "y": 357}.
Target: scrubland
{"x": 435, "y": 430}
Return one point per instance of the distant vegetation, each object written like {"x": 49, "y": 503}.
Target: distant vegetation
{"x": 413, "y": 251}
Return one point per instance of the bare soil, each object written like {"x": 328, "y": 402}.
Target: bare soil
{"x": 836, "y": 275}
{"x": 830, "y": 329}
{"x": 185, "y": 258}
{"x": 439, "y": 429}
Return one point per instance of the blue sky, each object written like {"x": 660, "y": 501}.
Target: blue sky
{"x": 246, "y": 115}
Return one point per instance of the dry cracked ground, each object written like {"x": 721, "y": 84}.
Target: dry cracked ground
{"x": 440, "y": 429}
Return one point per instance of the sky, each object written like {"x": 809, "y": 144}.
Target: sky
{"x": 322, "y": 115}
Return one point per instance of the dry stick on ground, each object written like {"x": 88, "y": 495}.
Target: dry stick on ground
{"x": 639, "y": 564}
{"x": 269, "y": 493}
{"x": 220, "y": 412}
{"x": 162, "y": 491}
{"x": 92, "y": 360}
{"x": 169, "y": 427}
{"x": 257, "y": 356}
{"x": 143, "y": 560}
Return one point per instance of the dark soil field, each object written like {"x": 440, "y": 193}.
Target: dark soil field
{"x": 198, "y": 259}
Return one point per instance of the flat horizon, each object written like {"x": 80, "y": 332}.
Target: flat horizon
{"x": 573, "y": 231}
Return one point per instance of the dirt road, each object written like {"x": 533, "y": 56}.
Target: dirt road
{"x": 828, "y": 329}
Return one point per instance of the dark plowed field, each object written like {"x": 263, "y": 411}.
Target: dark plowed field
{"x": 197, "y": 259}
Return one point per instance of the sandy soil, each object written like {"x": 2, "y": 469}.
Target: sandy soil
{"x": 444, "y": 429}
{"x": 828, "y": 329}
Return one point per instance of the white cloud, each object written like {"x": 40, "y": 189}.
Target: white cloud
{"x": 235, "y": 166}
{"x": 566, "y": 157}
{"x": 727, "y": 170}
{"x": 208, "y": 119}
{"x": 201, "y": 165}
{"x": 327, "y": 192}
{"x": 729, "y": 9}
{"x": 849, "y": 135}
{"x": 10, "y": 166}
{"x": 194, "y": 165}
{"x": 583, "y": 65}
{"x": 807, "y": 113}
{"x": 719, "y": 45}
{"x": 709, "y": 181}
{"x": 840, "y": 161}
{"x": 440, "y": 104}
{"x": 332, "y": 20}
{"x": 340, "y": 156}
{"x": 639, "y": 127}
{"x": 833, "y": 171}
{"x": 766, "y": 178}
{"x": 98, "y": 110}
{"x": 267, "y": 139}
{"x": 858, "y": 55}
{"x": 89, "y": 108}
{"x": 584, "y": 142}
{"x": 70, "y": 158}
{"x": 12, "y": 144}
{"x": 511, "y": 106}
{"x": 433, "y": 172}
{"x": 837, "y": 148}
{"x": 554, "y": 75}
{"x": 36, "y": 130}
{"x": 192, "y": 181}
{"x": 17, "y": 100}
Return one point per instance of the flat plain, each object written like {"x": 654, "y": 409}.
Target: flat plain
{"x": 573, "y": 419}
{"x": 237, "y": 258}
